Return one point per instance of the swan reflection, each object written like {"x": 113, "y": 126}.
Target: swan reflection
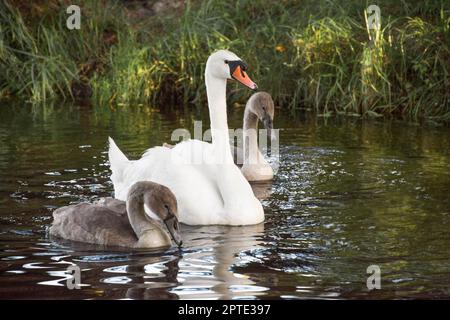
{"x": 216, "y": 250}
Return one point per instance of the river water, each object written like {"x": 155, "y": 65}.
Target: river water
{"x": 348, "y": 194}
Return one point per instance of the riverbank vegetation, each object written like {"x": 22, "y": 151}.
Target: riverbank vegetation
{"x": 312, "y": 54}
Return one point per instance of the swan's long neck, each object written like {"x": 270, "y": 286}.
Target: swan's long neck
{"x": 136, "y": 214}
{"x": 216, "y": 92}
{"x": 250, "y": 135}
{"x": 234, "y": 190}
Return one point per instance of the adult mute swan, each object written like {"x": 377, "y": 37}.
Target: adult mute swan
{"x": 254, "y": 167}
{"x": 113, "y": 222}
{"x": 209, "y": 188}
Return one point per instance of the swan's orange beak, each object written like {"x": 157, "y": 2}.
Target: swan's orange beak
{"x": 241, "y": 76}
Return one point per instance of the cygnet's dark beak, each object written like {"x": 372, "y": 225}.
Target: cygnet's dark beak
{"x": 173, "y": 226}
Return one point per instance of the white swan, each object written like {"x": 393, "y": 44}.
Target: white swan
{"x": 209, "y": 188}
{"x": 113, "y": 222}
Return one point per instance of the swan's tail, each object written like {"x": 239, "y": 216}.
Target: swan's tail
{"x": 117, "y": 162}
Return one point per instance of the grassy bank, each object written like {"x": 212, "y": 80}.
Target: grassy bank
{"x": 308, "y": 54}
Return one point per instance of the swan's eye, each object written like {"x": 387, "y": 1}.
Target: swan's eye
{"x": 226, "y": 61}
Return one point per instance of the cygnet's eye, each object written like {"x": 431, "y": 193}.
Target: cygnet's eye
{"x": 175, "y": 226}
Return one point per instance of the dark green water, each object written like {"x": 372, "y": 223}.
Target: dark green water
{"x": 348, "y": 194}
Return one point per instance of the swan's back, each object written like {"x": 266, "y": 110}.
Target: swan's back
{"x": 115, "y": 205}
{"x": 102, "y": 223}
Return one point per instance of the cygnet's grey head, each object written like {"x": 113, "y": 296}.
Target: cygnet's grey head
{"x": 261, "y": 104}
{"x": 162, "y": 203}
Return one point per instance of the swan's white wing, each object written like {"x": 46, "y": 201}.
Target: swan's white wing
{"x": 193, "y": 183}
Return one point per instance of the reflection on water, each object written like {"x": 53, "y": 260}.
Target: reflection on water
{"x": 347, "y": 195}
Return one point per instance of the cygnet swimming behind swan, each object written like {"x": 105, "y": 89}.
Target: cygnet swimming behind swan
{"x": 113, "y": 222}
{"x": 260, "y": 107}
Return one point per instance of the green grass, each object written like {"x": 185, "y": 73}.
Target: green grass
{"x": 41, "y": 59}
{"x": 311, "y": 54}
